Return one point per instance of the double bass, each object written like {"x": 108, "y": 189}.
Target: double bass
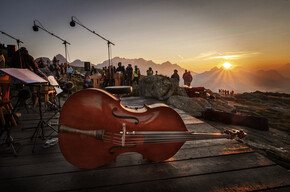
{"x": 94, "y": 128}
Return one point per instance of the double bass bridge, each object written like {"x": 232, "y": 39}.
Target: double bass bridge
{"x": 123, "y": 140}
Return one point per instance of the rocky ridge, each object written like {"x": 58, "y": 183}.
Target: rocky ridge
{"x": 273, "y": 106}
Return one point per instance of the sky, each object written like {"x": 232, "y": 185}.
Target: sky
{"x": 195, "y": 34}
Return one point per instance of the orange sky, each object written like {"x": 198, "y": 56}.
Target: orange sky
{"x": 195, "y": 34}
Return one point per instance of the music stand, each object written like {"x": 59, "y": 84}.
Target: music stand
{"x": 27, "y": 77}
{"x": 58, "y": 91}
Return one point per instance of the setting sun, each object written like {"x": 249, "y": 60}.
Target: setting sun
{"x": 227, "y": 65}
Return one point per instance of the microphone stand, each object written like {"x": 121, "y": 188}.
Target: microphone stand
{"x": 109, "y": 43}
{"x": 18, "y": 45}
{"x": 35, "y": 28}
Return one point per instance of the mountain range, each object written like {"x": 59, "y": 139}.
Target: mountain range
{"x": 237, "y": 79}
{"x": 243, "y": 81}
{"x": 165, "y": 68}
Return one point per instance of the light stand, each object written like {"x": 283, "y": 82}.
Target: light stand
{"x": 35, "y": 27}
{"x": 73, "y": 22}
{"x": 18, "y": 45}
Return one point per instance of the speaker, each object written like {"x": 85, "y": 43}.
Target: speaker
{"x": 11, "y": 49}
{"x": 87, "y": 66}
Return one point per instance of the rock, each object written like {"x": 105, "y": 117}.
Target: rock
{"x": 135, "y": 91}
{"x": 222, "y": 105}
{"x": 195, "y": 92}
{"x": 217, "y": 96}
{"x": 181, "y": 91}
{"x": 193, "y": 105}
{"x": 196, "y": 106}
{"x": 253, "y": 96}
{"x": 157, "y": 86}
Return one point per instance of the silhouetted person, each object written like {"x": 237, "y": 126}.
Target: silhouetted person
{"x": 27, "y": 60}
{"x": 105, "y": 76}
{"x": 183, "y": 76}
{"x": 55, "y": 68}
{"x": 175, "y": 75}
{"x": 65, "y": 66}
{"x": 129, "y": 74}
{"x": 156, "y": 72}
{"x": 92, "y": 70}
{"x": 150, "y": 71}
{"x": 121, "y": 69}
{"x": 2, "y": 60}
{"x": 187, "y": 78}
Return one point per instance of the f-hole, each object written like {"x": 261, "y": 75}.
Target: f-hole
{"x": 124, "y": 117}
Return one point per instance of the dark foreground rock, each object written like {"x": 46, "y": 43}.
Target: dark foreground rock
{"x": 157, "y": 87}
{"x": 273, "y": 106}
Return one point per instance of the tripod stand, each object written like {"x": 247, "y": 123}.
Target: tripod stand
{"x": 39, "y": 130}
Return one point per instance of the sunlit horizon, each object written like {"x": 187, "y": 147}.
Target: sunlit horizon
{"x": 197, "y": 35}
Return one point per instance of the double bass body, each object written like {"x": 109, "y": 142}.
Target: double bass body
{"x": 95, "y": 109}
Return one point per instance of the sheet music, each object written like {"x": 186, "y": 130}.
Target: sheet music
{"x": 52, "y": 81}
{"x": 24, "y": 75}
{"x": 58, "y": 90}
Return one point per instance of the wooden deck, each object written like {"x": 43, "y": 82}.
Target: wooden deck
{"x": 208, "y": 165}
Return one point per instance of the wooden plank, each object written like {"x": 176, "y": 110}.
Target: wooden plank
{"x": 35, "y": 116}
{"x": 188, "y": 119}
{"x": 129, "y": 174}
{"x": 254, "y": 179}
{"x": 23, "y": 134}
{"x": 278, "y": 189}
{"x": 202, "y": 128}
{"x": 192, "y": 149}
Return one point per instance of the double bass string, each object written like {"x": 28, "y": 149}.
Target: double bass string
{"x": 116, "y": 138}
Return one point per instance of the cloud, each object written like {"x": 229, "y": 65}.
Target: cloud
{"x": 207, "y": 54}
{"x": 180, "y": 56}
{"x": 226, "y": 55}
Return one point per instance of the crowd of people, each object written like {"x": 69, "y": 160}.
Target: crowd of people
{"x": 127, "y": 75}
{"x": 22, "y": 59}
{"x": 226, "y": 92}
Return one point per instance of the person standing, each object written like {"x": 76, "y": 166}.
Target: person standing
{"x": 56, "y": 68}
{"x": 184, "y": 77}
{"x": 129, "y": 74}
{"x": 150, "y": 71}
{"x": 65, "y": 66}
{"x": 26, "y": 61}
{"x": 2, "y": 60}
{"x": 136, "y": 75}
{"x": 187, "y": 79}
{"x": 121, "y": 69}
{"x": 106, "y": 76}
{"x": 175, "y": 75}
{"x": 69, "y": 71}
